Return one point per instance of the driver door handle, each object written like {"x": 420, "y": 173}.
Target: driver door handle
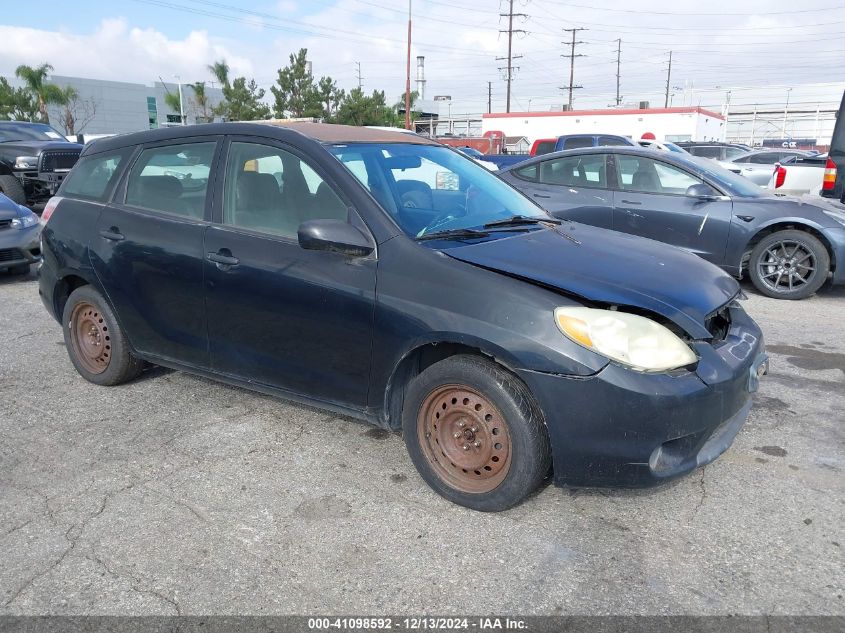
{"x": 632, "y": 202}
{"x": 113, "y": 234}
{"x": 223, "y": 261}
{"x": 540, "y": 195}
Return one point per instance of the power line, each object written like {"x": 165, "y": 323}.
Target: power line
{"x": 510, "y": 15}
{"x": 572, "y": 57}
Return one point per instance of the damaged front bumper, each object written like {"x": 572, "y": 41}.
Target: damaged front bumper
{"x": 625, "y": 428}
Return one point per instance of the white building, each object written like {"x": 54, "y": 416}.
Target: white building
{"x": 667, "y": 124}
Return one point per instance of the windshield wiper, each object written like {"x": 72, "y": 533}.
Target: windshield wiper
{"x": 517, "y": 220}
{"x": 452, "y": 234}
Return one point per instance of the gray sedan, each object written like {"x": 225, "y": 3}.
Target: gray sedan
{"x": 19, "y": 233}
{"x": 788, "y": 248}
{"x": 758, "y": 165}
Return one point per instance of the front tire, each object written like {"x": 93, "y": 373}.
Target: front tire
{"x": 475, "y": 434}
{"x": 95, "y": 343}
{"x": 12, "y": 188}
{"x": 789, "y": 265}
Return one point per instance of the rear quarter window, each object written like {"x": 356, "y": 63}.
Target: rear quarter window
{"x": 93, "y": 177}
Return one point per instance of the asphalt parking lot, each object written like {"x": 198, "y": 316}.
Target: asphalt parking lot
{"x": 174, "y": 494}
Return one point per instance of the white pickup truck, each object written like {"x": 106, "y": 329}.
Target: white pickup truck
{"x": 803, "y": 175}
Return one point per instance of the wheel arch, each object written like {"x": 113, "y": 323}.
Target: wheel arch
{"x": 65, "y": 285}
{"x": 423, "y": 354}
{"x": 787, "y": 225}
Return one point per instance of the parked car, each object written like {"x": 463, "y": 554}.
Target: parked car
{"x": 478, "y": 157}
{"x": 759, "y": 164}
{"x": 665, "y": 146}
{"x": 800, "y": 176}
{"x": 575, "y": 141}
{"x": 787, "y": 247}
{"x": 34, "y": 159}
{"x": 834, "y": 175}
{"x": 713, "y": 149}
{"x": 19, "y": 232}
{"x": 502, "y": 342}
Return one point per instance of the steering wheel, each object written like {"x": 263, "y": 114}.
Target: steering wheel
{"x": 414, "y": 200}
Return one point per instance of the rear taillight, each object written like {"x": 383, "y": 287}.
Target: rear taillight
{"x": 829, "y": 181}
{"x": 51, "y": 205}
{"x": 780, "y": 176}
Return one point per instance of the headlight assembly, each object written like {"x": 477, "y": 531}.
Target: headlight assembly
{"x": 26, "y": 162}
{"x": 24, "y": 222}
{"x": 634, "y": 341}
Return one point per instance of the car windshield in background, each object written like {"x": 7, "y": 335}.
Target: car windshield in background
{"x": 734, "y": 184}
{"x": 427, "y": 188}
{"x": 11, "y": 131}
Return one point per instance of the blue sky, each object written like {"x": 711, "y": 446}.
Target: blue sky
{"x": 757, "y": 49}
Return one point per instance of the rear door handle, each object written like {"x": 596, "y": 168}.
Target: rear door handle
{"x": 540, "y": 195}
{"x": 222, "y": 260}
{"x": 112, "y": 233}
{"x": 633, "y": 202}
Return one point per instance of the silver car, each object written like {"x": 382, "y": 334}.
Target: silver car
{"x": 758, "y": 165}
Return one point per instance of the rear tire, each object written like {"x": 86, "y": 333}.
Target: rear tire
{"x": 475, "y": 434}
{"x": 789, "y": 265}
{"x": 95, "y": 343}
{"x": 12, "y": 188}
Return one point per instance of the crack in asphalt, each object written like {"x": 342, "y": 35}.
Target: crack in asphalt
{"x": 703, "y": 497}
{"x": 135, "y": 583}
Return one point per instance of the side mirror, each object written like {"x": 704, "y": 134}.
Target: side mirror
{"x": 703, "y": 192}
{"x": 336, "y": 236}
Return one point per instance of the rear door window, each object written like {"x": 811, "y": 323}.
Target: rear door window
{"x": 577, "y": 142}
{"x": 604, "y": 141}
{"x": 172, "y": 179}
{"x": 94, "y": 176}
{"x": 545, "y": 147}
{"x": 589, "y": 170}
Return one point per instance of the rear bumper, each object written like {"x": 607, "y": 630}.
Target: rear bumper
{"x": 629, "y": 429}
{"x": 18, "y": 247}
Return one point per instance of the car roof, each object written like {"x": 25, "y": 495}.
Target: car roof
{"x": 665, "y": 156}
{"x": 278, "y": 129}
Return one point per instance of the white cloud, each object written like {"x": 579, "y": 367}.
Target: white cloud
{"x": 117, "y": 52}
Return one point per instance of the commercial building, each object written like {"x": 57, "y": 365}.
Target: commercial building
{"x": 117, "y": 107}
{"x": 666, "y": 124}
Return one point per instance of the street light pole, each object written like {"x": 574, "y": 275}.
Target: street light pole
{"x": 785, "y": 111}
{"x": 181, "y": 109}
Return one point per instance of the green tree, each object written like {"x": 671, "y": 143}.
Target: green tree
{"x": 330, "y": 97}
{"x": 35, "y": 81}
{"x": 173, "y": 100}
{"x": 295, "y": 94}
{"x": 200, "y": 103}
{"x": 243, "y": 100}
{"x": 16, "y": 103}
{"x": 360, "y": 109}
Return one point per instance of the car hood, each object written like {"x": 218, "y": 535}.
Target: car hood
{"x": 32, "y": 148}
{"x": 610, "y": 267}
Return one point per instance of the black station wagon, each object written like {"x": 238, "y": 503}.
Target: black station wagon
{"x": 386, "y": 277}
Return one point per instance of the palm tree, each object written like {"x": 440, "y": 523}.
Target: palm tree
{"x": 201, "y": 101}
{"x": 220, "y": 70}
{"x": 35, "y": 81}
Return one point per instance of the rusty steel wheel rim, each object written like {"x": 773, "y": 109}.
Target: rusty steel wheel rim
{"x": 465, "y": 439}
{"x": 90, "y": 338}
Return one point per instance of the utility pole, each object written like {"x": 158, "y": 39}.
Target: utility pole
{"x": 510, "y": 15}
{"x": 618, "y": 67}
{"x": 668, "y": 79}
{"x": 489, "y": 97}
{"x": 408, "y": 75}
{"x": 572, "y": 57}
{"x": 785, "y": 112}
{"x": 358, "y": 73}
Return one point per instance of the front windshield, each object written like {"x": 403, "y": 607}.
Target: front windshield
{"x": 11, "y": 131}
{"x": 733, "y": 184}
{"x": 428, "y": 188}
